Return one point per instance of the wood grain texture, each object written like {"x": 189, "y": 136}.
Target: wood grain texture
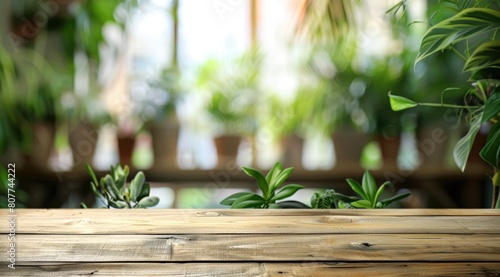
{"x": 225, "y": 222}
{"x": 254, "y": 243}
{"x": 274, "y": 247}
{"x": 257, "y": 269}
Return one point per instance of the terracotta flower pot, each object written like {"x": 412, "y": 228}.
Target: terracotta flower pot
{"x": 125, "y": 149}
{"x": 164, "y": 143}
{"x": 292, "y": 147}
{"x": 433, "y": 144}
{"x": 227, "y": 149}
{"x": 389, "y": 149}
{"x": 348, "y": 144}
{"x": 83, "y": 142}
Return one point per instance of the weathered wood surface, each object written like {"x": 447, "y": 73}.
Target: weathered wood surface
{"x": 258, "y": 269}
{"x": 259, "y": 247}
{"x": 254, "y": 243}
{"x": 78, "y": 221}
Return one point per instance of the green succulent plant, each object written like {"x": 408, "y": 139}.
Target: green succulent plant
{"x": 269, "y": 186}
{"x": 112, "y": 189}
{"x": 369, "y": 196}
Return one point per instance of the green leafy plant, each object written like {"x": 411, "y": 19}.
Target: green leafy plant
{"x": 232, "y": 89}
{"x": 269, "y": 186}
{"x": 472, "y": 34}
{"x": 113, "y": 192}
{"x": 369, "y": 196}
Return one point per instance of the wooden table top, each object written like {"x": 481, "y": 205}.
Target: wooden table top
{"x": 155, "y": 242}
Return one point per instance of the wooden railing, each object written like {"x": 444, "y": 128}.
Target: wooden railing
{"x": 96, "y": 242}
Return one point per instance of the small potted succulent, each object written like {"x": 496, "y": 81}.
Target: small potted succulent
{"x": 114, "y": 192}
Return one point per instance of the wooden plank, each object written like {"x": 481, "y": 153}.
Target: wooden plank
{"x": 256, "y": 269}
{"x": 155, "y": 248}
{"x": 210, "y": 222}
{"x": 55, "y": 213}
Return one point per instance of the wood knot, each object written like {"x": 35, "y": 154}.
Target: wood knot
{"x": 335, "y": 219}
{"x": 209, "y": 214}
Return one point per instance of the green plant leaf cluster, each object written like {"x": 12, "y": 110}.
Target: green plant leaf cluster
{"x": 472, "y": 34}
{"x": 113, "y": 191}
{"x": 330, "y": 199}
{"x": 269, "y": 186}
{"x": 368, "y": 196}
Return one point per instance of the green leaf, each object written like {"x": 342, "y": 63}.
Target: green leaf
{"x": 286, "y": 191}
{"x": 95, "y": 190}
{"x": 281, "y": 178}
{"x": 110, "y": 186}
{"x": 273, "y": 173}
{"x": 485, "y": 56}
{"x": 315, "y": 200}
{"x": 399, "y": 103}
{"x": 228, "y": 201}
{"x": 146, "y": 189}
{"x": 491, "y": 151}
{"x": 92, "y": 174}
{"x": 83, "y": 205}
{"x": 387, "y": 202}
{"x": 357, "y": 188}
{"x": 249, "y": 201}
{"x": 117, "y": 204}
{"x": 261, "y": 181}
{"x": 120, "y": 182}
{"x": 274, "y": 206}
{"x": 464, "y": 145}
{"x": 136, "y": 185}
{"x": 112, "y": 171}
{"x": 345, "y": 198}
{"x": 379, "y": 192}
{"x": 150, "y": 201}
{"x": 292, "y": 205}
{"x": 126, "y": 171}
{"x": 491, "y": 75}
{"x": 369, "y": 186}
{"x": 464, "y": 25}
{"x": 492, "y": 106}
{"x": 361, "y": 204}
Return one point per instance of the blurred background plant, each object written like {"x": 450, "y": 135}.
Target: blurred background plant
{"x": 304, "y": 82}
{"x": 233, "y": 93}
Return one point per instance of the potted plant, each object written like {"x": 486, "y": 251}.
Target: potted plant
{"x": 471, "y": 33}
{"x": 83, "y": 37}
{"x": 161, "y": 117}
{"x": 287, "y": 122}
{"x": 85, "y": 115}
{"x": 31, "y": 100}
{"x": 232, "y": 100}
{"x": 337, "y": 102}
